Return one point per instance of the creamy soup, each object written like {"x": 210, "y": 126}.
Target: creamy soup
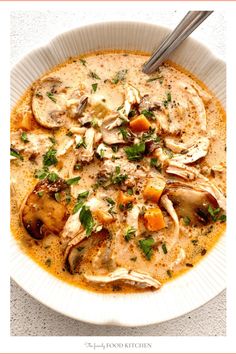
{"x": 117, "y": 177}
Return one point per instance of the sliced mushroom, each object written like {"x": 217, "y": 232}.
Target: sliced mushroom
{"x": 79, "y": 257}
{"x": 110, "y": 131}
{"x": 191, "y": 202}
{"x": 142, "y": 280}
{"x": 176, "y": 146}
{"x": 76, "y": 106}
{"x": 41, "y": 214}
{"x": 198, "y": 150}
{"x": 47, "y": 103}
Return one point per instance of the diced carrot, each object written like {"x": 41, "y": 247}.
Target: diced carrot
{"x": 154, "y": 189}
{"x": 154, "y": 219}
{"x": 139, "y": 124}
{"x": 124, "y": 199}
{"x": 25, "y": 120}
{"x": 103, "y": 217}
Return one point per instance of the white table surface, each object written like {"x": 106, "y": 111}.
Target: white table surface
{"x": 30, "y": 29}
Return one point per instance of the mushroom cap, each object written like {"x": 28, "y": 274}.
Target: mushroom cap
{"x": 189, "y": 201}
{"x": 47, "y": 105}
{"x": 41, "y": 214}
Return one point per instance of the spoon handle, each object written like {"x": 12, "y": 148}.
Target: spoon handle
{"x": 189, "y": 23}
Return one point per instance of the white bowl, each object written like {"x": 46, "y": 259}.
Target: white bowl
{"x": 183, "y": 294}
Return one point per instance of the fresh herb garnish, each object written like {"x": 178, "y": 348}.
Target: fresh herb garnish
{"x": 120, "y": 76}
{"x": 53, "y": 177}
{"x": 78, "y": 167}
{"x": 130, "y": 232}
{"x": 69, "y": 133}
{"x": 125, "y": 133}
{"x": 73, "y": 180}
{"x": 120, "y": 107}
{"x": 80, "y": 201}
{"x": 222, "y": 218}
{"x": 118, "y": 178}
{"x": 154, "y": 162}
{"x": 86, "y": 219}
{"x": 146, "y": 246}
{"x": 147, "y": 114}
{"x": 40, "y": 194}
{"x": 16, "y": 154}
{"x": 93, "y": 75}
{"x": 57, "y": 196}
{"x": 110, "y": 201}
{"x": 164, "y": 249}
{"x": 130, "y": 191}
{"x": 186, "y": 220}
{"x": 52, "y": 139}
{"x": 168, "y": 100}
{"x": 160, "y": 78}
{"x": 24, "y": 137}
{"x": 135, "y": 152}
{"x": 41, "y": 174}
{"x": 51, "y": 97}
{"x": 151, "y": 135}
{"x": 49, "y": 158}
{"x": 213, "y": 212}
{"x": 94, "y": 87}
{"x": 81, "y": 143}
{"x": 83, "y": 62}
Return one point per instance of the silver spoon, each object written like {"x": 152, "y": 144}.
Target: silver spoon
{"x": 189, "y": 23}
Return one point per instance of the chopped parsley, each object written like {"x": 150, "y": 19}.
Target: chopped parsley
{"x": 118, "y": 178}
{"x": 86, "y": 219}
{"x": 57, "y": 196}
{"x": 41, "y": 174}
{"x": 159, "y": 78}
{"x": 78, "y": 167}
{"x": 40, "y": 194}
{"x": 81, "y": 143}
{"x": 110, "y": 201}
{"x": 53, "y": 177}
{"x": 164, "y": 249}
{"x": 187, "y": 220}
{"x": 80, "y": 201}
{"x": 135, "y": 152}
{"x": 73, "y": 180}
{"x": 154, "y": 162}
{"x": 213, "y": 212}
{"x": 69, "y": 133}
{"x": 51, "y": 97}
{"x": 130, "y": 191}
{"x": 146, "y": 246}
{"x": 151, "y": 135}
{"x": 94, "y": 87}
{"x": 83, "y": 62}
{"x": 16, "y": 154}
{"x": 125, "y": 133}
{"x": 130, "y": 232}
{"x": 168, "y": 100}
{"x": 147, "y": 114}
{"x": 49, "y": 158}
{"x": 120, "y": 76}
{"x": 93, "y": 75}
{"x": 52, "y": 139}
{"x": 24, "y": 137}
{"x": 222, "y": 218}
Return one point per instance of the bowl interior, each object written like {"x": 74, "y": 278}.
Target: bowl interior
{"x": 177, "y": 297}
